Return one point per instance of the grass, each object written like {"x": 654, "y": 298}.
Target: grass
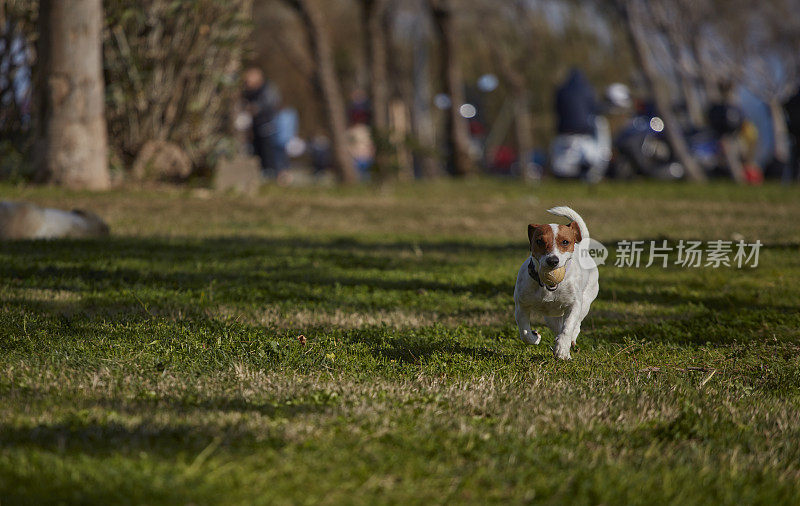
{"x": 165, "y": 365}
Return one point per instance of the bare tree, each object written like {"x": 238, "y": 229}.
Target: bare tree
{"x": 72, "y": 136}
{"x": 632, "y": 11}
{"x": 767, "y": 51}
{"x": 680, "y": 23}
{"x": 677, "y": 31}
{"x": 422, "y": 118}
{"x": 16, "y": 23}
{"x": 523, "y": 128}
{"x": 376, "y": 49}
{"x": 398, "y": 86}
{"x": 512, "y": 44}
{"x": 327, "y": 85}
{"x": 456, "y": 126}
{"x": 375, "y": 45}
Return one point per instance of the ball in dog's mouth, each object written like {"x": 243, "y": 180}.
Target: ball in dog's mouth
{"x": 554, "y": 277}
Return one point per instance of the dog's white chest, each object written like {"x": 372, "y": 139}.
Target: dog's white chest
{"x": 533, "y": 297}
{"x": 544, "y": 302}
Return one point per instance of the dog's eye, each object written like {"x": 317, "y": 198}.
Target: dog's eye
{"x": 539, "y": 242}
{"x": 565, "y": 242}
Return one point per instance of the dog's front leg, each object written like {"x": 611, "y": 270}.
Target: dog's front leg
{"x": 523, "y": 318}
{"x": 568, "y": 333}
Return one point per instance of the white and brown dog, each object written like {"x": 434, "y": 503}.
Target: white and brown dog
{"x": 563, "y": 302}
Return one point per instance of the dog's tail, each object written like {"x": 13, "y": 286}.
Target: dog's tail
{"x": 568, "y": 212}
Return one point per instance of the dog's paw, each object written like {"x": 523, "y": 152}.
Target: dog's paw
{"x": 562, "y": 352}
{"x": 530, "y": 336}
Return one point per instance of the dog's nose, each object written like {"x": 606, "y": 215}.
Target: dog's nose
{"x": 552, "y": 261}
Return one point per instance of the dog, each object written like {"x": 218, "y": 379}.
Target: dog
{"x": 564, "y": 302}
{"x": 22, "y": 220}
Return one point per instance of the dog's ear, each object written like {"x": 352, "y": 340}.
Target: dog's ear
{"x": 531, "y": 229}
{"x": 574, "y": 226}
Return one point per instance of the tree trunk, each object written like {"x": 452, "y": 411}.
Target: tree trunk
{"x": 423, "y": 127}
{"x": 399, "y": 99}
{"x": 73, "y": 150}
{"x": 694, "y": 108}
{"x": 523, "y": 130}
{"x": 683, "y": 70}
{"x": 710, "y": 84}
{"x": 327, "y": 86}
{"x": 523, "y": 124}
{"x": 456, "y": 126}
{"x": 672, "y": 128}
{"x": 372, "y": 12}
{"x": 375, "y": 45}
{"x": 398, "y": 132}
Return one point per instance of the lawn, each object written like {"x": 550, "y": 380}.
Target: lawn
{"x": 357, "y": 346}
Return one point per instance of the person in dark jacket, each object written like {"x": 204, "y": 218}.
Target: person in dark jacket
{"x": 582, "y": 148}
{"x": 576, "y": 106}
{"x": 263, "y": 103}
{"x": 792, "y": 109}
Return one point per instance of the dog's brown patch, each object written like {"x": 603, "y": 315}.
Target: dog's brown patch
{"x": 567, "y": 236}
{"x": 574, "y": 226}
{"x": 541, "y": 238}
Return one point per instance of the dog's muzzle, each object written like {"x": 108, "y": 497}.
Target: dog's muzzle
{"x": 533, "y": 272}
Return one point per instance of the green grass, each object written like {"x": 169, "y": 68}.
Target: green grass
{"x": 164, "y": 365}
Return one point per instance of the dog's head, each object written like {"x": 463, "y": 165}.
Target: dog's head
{"x": 552, "y": 246}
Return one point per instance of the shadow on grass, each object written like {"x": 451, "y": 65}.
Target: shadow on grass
{"x": 92, "y": 434}
{"x": 99, "y": 438}
{"x": 151, "y": 276}
{"x": 638, "y": 290}
{"x": 415, "y": 348}
{"x": 281, "y": 268}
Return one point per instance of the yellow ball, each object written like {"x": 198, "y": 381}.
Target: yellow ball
{"x": 555, "y": 276}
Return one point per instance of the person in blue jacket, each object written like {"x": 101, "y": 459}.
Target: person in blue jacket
{"x": 582, "y": 148}
{"x": 576, "y": 106}
{"x": 263, "y": 102}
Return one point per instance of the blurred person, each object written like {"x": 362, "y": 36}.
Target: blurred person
{"x": 263, "y": 102}
{"x": 792, "y": 110}
{"x": 747, "y": 139}
{"x": 757, "y": 112}
{"x": 724, "y": 115}
{"x": 618, "y": 97}
{"x": 582, "y": 148}
{"x": 359, "y": 110}
{"x": 642, "y": 148}
{"x": 15, "y": 77}
{"x": 477, "y": 138}
{"x": 726, "y": 118}
{"x": 286, "y": 123}
{"x": 358, "y": 137}
{"x": 576, "y": 105}
{"x": 361, "y": 148}
{"x": 320, "y": 152}
{"x": 503, "y": 159}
